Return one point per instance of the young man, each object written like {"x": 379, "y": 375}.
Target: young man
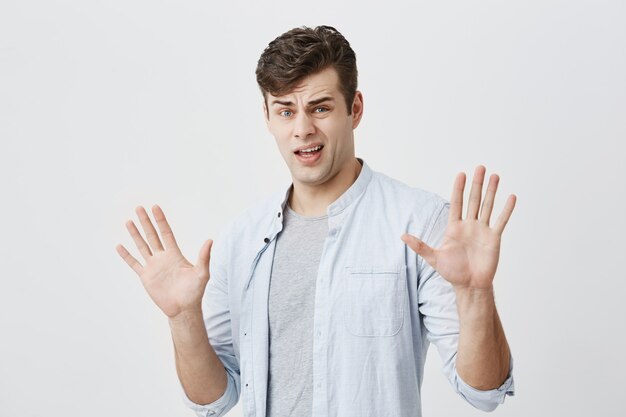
{"x": 322, "y": 300}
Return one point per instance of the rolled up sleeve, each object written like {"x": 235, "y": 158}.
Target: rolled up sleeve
{"x": 486, "y": 400}
{"x": 218, "y": 407}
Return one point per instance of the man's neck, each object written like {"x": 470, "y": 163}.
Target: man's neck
{"x": 313, "y": 201}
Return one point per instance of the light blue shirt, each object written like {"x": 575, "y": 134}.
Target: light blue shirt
{"x": 378, "y": 305}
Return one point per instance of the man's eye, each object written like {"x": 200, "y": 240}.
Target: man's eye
{"x": 286, "y": 113}
{"x": 321, "y": 108}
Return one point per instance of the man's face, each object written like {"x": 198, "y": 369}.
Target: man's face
{"x": 314, "y": 114}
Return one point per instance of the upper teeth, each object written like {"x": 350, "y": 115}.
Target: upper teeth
{"x": 318, "y": 147}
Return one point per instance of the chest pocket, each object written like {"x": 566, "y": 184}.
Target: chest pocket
{"x": 374, "y": 299}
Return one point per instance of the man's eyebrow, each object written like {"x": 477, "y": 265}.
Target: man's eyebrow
{"x": 310, "y": 103}
{"x": 320, "y": 100}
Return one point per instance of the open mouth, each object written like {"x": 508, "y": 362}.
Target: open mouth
{"x": 310, "y": 152}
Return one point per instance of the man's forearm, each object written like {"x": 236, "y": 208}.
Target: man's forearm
{"x": 483, "y": 352}
{"x": 199, "y": 369}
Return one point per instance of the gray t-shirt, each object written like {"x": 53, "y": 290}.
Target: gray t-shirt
{"x": 291, "y": 302}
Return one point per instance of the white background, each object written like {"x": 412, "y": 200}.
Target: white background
{"x": 105, "y": 106}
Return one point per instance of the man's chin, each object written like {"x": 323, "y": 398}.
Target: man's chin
{"x": 308, "y": 176}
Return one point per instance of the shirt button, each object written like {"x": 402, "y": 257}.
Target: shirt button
{"x": 279, "y": 214}
{"x": 267, "y": 239}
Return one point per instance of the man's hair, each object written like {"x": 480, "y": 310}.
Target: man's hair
{"x": 304, "y": 51}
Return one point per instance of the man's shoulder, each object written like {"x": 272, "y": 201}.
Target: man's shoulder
{"x": 413, "y": 207}
{"x": 393, "y": 189}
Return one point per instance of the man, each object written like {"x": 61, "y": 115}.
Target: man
{"x": 322, "y": 300}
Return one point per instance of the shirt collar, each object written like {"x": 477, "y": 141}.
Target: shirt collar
{"x": 352, "y": 193}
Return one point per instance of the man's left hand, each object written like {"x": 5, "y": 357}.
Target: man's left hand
{"x": 469, "y": 253}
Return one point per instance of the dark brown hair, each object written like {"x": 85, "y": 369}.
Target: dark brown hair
{"x": 304, "y": 51}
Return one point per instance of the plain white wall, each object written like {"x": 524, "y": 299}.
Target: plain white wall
{"x": 108, "y": 105}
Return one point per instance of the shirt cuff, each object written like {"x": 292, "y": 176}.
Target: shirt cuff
{"x": 218, "y": 407}
{"x": 486, "y": 400}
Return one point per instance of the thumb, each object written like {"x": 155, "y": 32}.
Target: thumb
{"x": 421, "y": 248}
{"x": 205, "y": 254}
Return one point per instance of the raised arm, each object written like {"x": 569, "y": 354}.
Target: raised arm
{"x": 177, "y": 288}
{"x": 467, "y": 258}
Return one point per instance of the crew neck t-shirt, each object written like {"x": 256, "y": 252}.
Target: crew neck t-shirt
{"x": 291, "y": 304}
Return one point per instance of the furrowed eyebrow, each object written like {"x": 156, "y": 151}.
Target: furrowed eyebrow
{"x": 310, "y": 103}
{"x": 319, "y": 100}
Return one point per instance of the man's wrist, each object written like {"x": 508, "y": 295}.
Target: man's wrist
{"x": 469, "y": 291}
{"x": 475, "y": 301}
{"x": 186, "y": 318}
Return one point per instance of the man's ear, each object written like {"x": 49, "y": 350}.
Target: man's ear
{"x": 357, "y": 109}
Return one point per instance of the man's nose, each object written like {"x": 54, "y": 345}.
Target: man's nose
{"x": 304, "y": 125}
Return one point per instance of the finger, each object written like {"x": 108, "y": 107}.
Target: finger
{"x": 421, "y": 248}
{"x": 475, "y": 194}
{"x": 204, "y": 258}
{"x": 164, "y": 228}
{"x": 149, "y": 230}
{"x": 506, "y": 214}
{"x": 490, "y": 195}
{"x": 129, "y": 259}
{"x": 456, "y": 200}
{"x": 141, "y": 244}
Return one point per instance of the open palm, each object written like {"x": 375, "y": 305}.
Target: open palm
{"x": 469, "y": 253}
{"x": 173, "y": 283}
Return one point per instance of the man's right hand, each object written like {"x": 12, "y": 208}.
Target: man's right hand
{"x": 173, "y": 283}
